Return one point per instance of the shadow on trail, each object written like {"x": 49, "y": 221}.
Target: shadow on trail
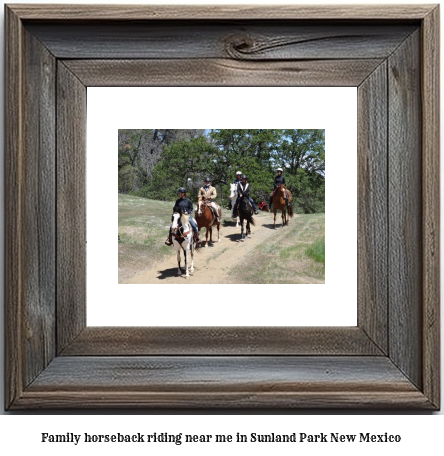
{"x": 236, "y": 237}
{"x": 270, "y": 226}
{"x": 167, "y": 273}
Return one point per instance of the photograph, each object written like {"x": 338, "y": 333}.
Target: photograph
{"x": 221, "y": 206}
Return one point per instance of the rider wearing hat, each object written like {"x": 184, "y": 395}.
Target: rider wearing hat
{"x": 278, "y": 180}
{"x": 208, "y": 193}
{"x": 185, "y": 205}
{"x": 243, "y": 189}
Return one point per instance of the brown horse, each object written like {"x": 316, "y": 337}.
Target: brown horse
{"x": 205, "y": 219}
{"x": 280, "y": 203}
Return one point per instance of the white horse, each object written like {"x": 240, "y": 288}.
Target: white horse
{"x": 183, "y": 239}
{"x": 233, "y": 197}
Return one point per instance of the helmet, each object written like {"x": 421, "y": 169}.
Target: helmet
{"x": 237, "y": 173}
{"x": 279, "y": 169}
{"x": 182, "y": 190}
{"x": 207, "y": 179}
{"x": 244, "y": 176}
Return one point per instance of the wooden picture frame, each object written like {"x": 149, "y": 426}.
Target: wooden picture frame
{"x": 390, "y": 360}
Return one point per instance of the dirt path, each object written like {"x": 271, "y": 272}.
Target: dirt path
{"x": 212, "y": 264}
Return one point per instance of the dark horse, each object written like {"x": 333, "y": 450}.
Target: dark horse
{"x": 245, "y": 213}
{"x": 205, "y": 219}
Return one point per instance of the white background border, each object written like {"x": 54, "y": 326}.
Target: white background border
{"x": 331, "y": 304}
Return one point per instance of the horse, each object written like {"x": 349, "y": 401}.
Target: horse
{"x": 183, "y": 239}
{"x": 233, "y": 197}
{"x": 245, "y": 213}
{"x": 204, "y": 218}
{"x": 280, "y": 203}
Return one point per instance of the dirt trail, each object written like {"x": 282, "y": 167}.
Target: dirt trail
{"x": 212, "y": 264}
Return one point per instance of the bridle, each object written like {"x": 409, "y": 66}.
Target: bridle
{"x": 178, "y": 232}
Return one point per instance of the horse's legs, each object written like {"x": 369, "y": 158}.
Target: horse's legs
{"x": 248, "y": 228}
{"x": 206, "y": 237}
{"x": 192, "y": 246}
{"x": 218, "y": 232}
{"x": 237, "y": 222}
{"x": 185, "y": 254}
{"x": 274, "y": 210}
{"x": 242, "y": 230}
{"x": 211, "y": 234}
{"x": 179, "y": 271}
{"x": 283, "y": 218}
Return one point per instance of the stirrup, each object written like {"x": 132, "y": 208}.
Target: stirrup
{"x": 168, "y": 242}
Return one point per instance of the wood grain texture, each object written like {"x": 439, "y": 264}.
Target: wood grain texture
{"x": 220, "y": 12}
{"x": 126, "y": 341}
{"x": 408, "y": 377}
{"x": 405, "y": 209}
{"x": 206, "y": 72}
{"x": 13, "y": 209}
{"x": 431, "y": 208}
{"x": 71, "y": 206}
{"x": 372, "y": 207}
{"x": 39, "y": 207}
{"x": 233, "y": 382}
{"x": 258, "y": 40}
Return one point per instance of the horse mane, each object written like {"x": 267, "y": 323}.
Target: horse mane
{"x": 185, "y": 218}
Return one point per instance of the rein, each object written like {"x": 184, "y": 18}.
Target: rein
{"x": 182, "y": 235}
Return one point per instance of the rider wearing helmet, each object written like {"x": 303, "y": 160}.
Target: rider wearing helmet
{"x": 278, "y": 180}
{"x": 238, "y": 180}
{"x": 207, "y": 193}
{"x": 185, "y": 205}
{"x": 243, "y": 189}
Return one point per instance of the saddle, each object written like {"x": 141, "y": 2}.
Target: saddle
{"x": 213, "y": 211}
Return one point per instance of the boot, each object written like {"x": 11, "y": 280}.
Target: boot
{"x": 169, "y": 240}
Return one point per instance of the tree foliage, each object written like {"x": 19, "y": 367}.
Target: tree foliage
{"x": 154, "y": 163}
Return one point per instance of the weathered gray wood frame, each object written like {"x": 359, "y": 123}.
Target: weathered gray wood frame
{"x": 390, "y": 360}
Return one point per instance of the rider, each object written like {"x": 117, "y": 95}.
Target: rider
{"x": 186, "y": 207}
{"x": 238, "y": 180}
{"x": 243, "y": 189}
{"x": 278, "y": 180}
{"x": 207, "y": 193}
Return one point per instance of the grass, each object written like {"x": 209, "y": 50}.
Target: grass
{"x": 284, "y": 258}
{"x": 317, "y": 250}
{"x": 143, "y": 228}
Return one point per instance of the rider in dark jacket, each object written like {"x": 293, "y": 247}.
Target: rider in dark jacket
{"x": 278, "y": 180}
{"x": 243, "y": 189}
{"x": 236, "y": 181}
{"x": 185, "y": 205}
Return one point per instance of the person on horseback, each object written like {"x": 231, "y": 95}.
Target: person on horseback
{"x": 243, "y": 189}
{"x": 207, "y": 193}
{"x": 278, "y": 180}
{"x": 185, "y": 205}
{"x": 236, "y": 181}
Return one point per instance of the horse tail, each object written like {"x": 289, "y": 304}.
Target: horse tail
{"x": 290, "y": 211}
{"x": 252, "y": 221}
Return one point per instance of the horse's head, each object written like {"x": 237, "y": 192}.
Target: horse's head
{"x": 199, "y": 208}
{"x": 281, "y": 190}
{"x": 176, "y": 218}
{"x": 245, "y": 204}
{"x": 233, "y": 190}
